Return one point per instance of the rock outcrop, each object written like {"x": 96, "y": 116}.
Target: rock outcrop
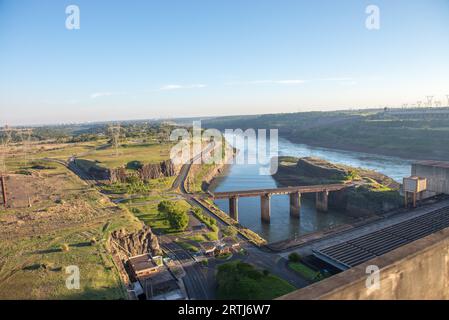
{"x": 147, "y": 172}
{"x": 314, "y": 167}
{"x": 126, "y": 244}
{"x": 150, "y": 171}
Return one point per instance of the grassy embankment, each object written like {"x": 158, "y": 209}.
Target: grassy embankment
{"x": 66, "y": 225}
{"x": 241, "y": 281}
{"x": 422, "y": 135}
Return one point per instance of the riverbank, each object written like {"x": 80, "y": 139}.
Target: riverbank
{"x": 410, "y": 134}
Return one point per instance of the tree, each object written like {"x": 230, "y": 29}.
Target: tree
{"x": 294, "y": 257}
{"x": 178, "y": 218}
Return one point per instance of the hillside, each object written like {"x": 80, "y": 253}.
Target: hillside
{"x": 411, "y": 134}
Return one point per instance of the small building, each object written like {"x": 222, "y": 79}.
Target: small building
{"x": 209, "y": 247}
{"x": 143, "y": 265}
{"x": 437, "y": 175}
{"x": 415, "y": 187}
{"x": 231, "y": 243}
{"x": 162, "y": 286}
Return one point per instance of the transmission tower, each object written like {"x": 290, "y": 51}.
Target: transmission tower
{"x": 114, "y": 131}
{"x": 25, "y": 138}
{"x": 4, "y": 148}
{"x": 419, "y": 104}
{"x": 429, "y": 101}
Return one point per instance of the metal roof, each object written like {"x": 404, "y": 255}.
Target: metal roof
{"x": 433, "y": 163}
{"x": 361, "y": 249}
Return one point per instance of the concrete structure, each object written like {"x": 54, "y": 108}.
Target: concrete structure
{"x": 322, "y": 201}
{"x": 143, "y": 265}
{"x": 265, "y": 207}
{"x": 418, "y": 270}
{"x": 322, "y": 198}
{"x": 414, "y": 186}
{"x": 295, "y": 204}
{"x": 437, "y": 175}
{"x": 234, "y": 208}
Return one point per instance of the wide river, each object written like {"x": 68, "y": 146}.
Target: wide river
{"x": 246, "y": 177}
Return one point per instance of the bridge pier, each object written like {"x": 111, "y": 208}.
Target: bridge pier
{"x": 265, "y": 207}
{"x": 295, "y": 204}
{"x": 322, "y": 201}
{"x": 234, "y": 208}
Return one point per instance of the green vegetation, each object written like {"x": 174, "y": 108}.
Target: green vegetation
{"x": 241, "y": 281}
{"x": 208, "y": 221}
{"x": 294, "y": 257}
{"x": 247, "y": 233}
{"x": 188, "y": 246}
{"x": 307, "y": 272}
{"x": 130, "y": 153}
{"x": 229, "y": 231}
{"x": 137, "y": 186}
{"x": 71, "y": 215}
{"x": 149, "y": 213}
{"x": 176, "y": 215}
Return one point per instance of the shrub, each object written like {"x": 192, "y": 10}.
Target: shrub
{"x": 229, "y": 231}
{"x": 294, "y": 257}
{"x": 177, "y": 217}
{"x": 134, "y": 165}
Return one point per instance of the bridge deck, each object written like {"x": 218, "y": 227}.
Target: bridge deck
{"x": 286, "y": 190}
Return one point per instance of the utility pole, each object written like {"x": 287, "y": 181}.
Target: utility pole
{"x": 115, "y": 136}
{"x": 3, "y": 150}
{"x": 3, "y": 183}
{"x": 429, "y": 101}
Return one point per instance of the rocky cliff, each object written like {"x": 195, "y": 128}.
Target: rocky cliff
{"x": 146, "y": 172}
{"x": 126, "y": 244}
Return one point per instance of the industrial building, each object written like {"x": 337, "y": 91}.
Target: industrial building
{"x": 437, "y": 175}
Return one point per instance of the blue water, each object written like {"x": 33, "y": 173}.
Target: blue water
{"x": 245, "y": 177}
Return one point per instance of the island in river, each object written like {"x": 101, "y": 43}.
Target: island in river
{"x": 372, "y": 193}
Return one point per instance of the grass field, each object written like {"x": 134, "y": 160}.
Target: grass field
{"x": 143, "y": 152}
{"x": 241, "y": 281}
{"x": 151, "y": 216}
{"x": 64, "y": 211}
{"x": 304, "y": 271}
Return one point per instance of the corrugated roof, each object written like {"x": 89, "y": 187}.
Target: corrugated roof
{"x": 361, "y": 249}
{"x": 433, "y": 163}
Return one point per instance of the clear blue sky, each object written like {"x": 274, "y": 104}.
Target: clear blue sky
{"x": 167, "y": 58}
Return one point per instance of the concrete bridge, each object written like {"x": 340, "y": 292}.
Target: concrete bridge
{"x": 321, "y": 191}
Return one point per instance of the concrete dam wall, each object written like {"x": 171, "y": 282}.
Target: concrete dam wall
{"x": 419, "y": 270}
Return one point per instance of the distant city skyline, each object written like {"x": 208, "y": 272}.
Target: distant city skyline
{"x": 185, "y": 58}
